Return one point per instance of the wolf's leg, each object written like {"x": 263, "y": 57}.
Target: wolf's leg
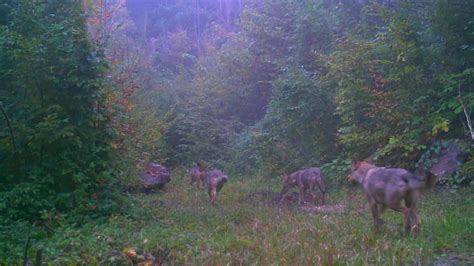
{"x": 320, "y": 184}
{"x": 396, "y": 206}
{"x": 413, "y": 221}
{"x": 313, "y": 194}
{"x": 380, "y": 210}
{"x": 410, "y": 202}
{"x": 301, "y": 195}
{"x": 375, "y": 215}
{"x": 213, "y": 196}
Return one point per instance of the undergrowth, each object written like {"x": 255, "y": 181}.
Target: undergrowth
{"x": 179, "y": 226}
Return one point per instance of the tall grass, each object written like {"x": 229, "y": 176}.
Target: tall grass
{"x": 179, "y": 226}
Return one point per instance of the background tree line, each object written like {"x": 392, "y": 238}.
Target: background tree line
{"x": 275, "y": 85}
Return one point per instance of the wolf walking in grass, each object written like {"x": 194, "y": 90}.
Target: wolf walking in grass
{"x": 306, "y": 179}
{"x": 215, "y": 180}
{"x": 197, "y": 175}
{"x": 388, "y": 187}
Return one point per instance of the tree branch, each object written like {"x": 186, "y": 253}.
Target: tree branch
{"x": 9, "y": 125}
{"x": 468, "y": 118}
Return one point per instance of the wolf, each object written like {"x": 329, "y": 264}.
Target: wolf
{"x": 215, "y": 180}
{"x": 304, "y": 179}
{"x": 388, "y": 187}
{"x": 198, "y": 175}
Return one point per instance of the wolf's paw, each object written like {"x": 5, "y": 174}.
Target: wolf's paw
{"x": 415, "y": 230}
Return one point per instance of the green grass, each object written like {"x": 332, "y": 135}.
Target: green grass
{"x": 181, "y": 223}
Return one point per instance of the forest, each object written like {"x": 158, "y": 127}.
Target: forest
{"x": 96, "y": 94}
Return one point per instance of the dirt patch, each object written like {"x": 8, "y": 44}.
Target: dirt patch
{"x": 324, "y": 208}
{"x": 273, "y": 199}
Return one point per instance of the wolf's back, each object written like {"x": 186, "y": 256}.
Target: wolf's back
{"x": 393, "y": 174}
{"x": 308, "y": 176}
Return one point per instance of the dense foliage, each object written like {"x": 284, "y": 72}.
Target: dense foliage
{"x": 93, "y": 90}
{"x": 54, "y": 140}
{"x": 298, "y": 83}
{"x": 253, "y": 86}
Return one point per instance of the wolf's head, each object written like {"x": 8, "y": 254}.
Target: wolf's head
{"x": 287, "y": 181}
{"x": 359, "y": 170}
{"x": 224, "y": 178}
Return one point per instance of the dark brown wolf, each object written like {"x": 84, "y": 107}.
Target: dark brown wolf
{"x": 215, "y": 180}
{"x": 197, "y": 175}
{"x": 304, "y": 179}
{"x": 388, "y": 187}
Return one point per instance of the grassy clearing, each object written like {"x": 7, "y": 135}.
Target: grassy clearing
{"x": 179, "y": 226}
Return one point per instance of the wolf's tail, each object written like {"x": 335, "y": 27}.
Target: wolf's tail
{"x": 320, "y": 183}
{"x": 430, "y": 180}
{"x": 427, "y": 178}
{"x": 322, "y": 187}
